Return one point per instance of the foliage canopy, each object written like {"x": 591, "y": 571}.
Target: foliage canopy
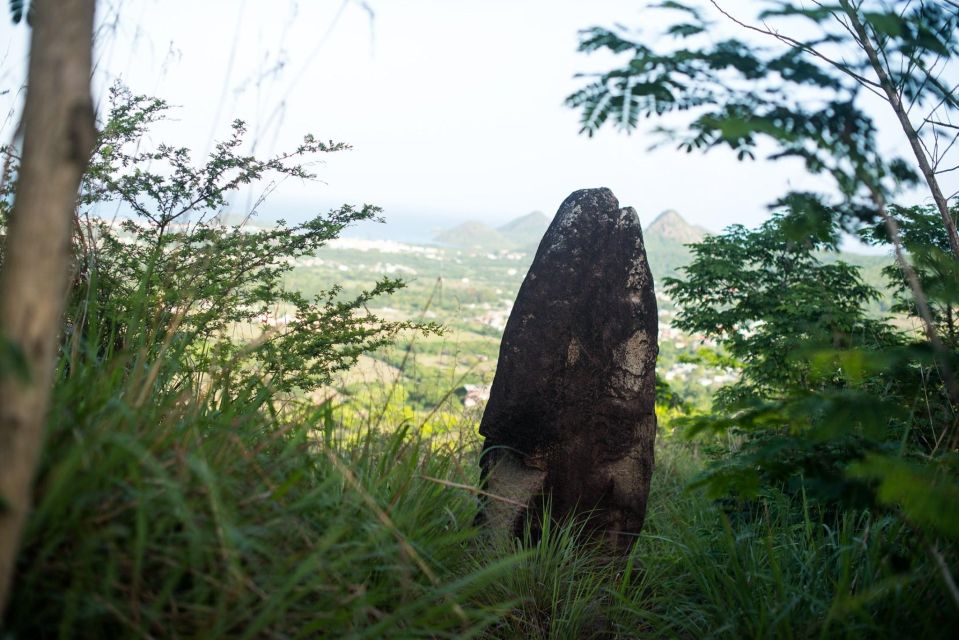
{"x": 830, "y": 400}
{"x": 173, "y": 272}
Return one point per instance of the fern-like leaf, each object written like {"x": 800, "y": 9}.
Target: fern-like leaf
{"x": 20, "y": 7}
{"x": 16, "y": 10}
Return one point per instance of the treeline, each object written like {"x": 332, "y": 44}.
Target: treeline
{"x": 857, "y": 412}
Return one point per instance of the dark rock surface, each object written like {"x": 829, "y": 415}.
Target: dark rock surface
{"x": 571, "y": 411}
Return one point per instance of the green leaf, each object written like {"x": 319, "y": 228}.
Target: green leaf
{"x": 888, "y": 24}
{"x": 927, "y": 493}
{"x": 685, "y": 30}
{"x": 818, "y": 14}
{"x": 16, "y": 10}
{"x": 678, "y": 6}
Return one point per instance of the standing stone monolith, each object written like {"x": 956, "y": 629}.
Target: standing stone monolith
{"x": 571, "y": 421}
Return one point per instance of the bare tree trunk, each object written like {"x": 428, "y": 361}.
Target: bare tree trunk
{"x": 58, "y": 136}
{"x": 896, "y": 103}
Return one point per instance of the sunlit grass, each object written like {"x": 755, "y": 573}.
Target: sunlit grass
{"x": 197, "y": 514}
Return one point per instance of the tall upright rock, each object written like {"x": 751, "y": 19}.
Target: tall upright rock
{"x": 570, "y": 421}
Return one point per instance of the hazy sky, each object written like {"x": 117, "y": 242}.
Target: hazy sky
{"x": 453, "y": 107}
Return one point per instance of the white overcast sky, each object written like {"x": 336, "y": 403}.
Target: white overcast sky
{"x": 454, "y": 107}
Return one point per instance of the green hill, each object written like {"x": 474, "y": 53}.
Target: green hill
{"x": 473, "y": 235}
{"x": 669, "y": 225}
{"x": 665, "y": 239}
{"x": 526, "y": 230}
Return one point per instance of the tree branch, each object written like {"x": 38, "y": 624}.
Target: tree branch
{"x": 914, "y": 140}
{"x": 862, "y": 80}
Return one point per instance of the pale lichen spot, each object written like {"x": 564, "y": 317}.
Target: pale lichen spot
{"x": 633, "y": 353}
{"x": 572, "y": 352}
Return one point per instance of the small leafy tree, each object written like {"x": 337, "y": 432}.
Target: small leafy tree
{"x": 171, "y": 279}
{"x": 805, "y": 95}
{"x": 186, "y": 487}
{"x": 840, "y": 407}
{"x": 770, "y": 300}
{"x": 922, "y": 235}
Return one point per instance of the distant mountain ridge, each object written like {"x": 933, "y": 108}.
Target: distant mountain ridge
{"x": 665, "y": 237}
{"x": 669, "y": 225}
{"x": 472, "y": 234}
{"x": 524, "y": 232}
{"x": 528, "y": 229}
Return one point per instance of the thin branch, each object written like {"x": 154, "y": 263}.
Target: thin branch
{"x": 943, "y": 567}
{"x": 925, "y": 147}
{"x": 477, "y": 491}
{"x": 942, "y": 124}
{"x": 839, "y": 18}
{"x": 881, "y": 47}
{"x": 946, "y": 96}
{"x": 915, "y": 141}
{"x": 862, "y": 80}
{"x": 918, "y": 295}
{"x": 945, "y": 152}
{"x": 928, "y": 74}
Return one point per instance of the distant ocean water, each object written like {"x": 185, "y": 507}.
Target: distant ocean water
{"x": 400, "y": 227}
{"x": 409, "y": 229}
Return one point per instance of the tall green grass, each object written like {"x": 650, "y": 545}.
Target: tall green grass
{"x": 777, "y": 569}
{"x": 191, "y": 516}
{"x": 181, "y": 518}
{"x": 780, "y": 569}
{"x": 174, "y": 503}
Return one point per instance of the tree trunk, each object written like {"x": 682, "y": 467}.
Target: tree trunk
{"x": 58, "y": 135}
{"x": 892, "y": 96}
